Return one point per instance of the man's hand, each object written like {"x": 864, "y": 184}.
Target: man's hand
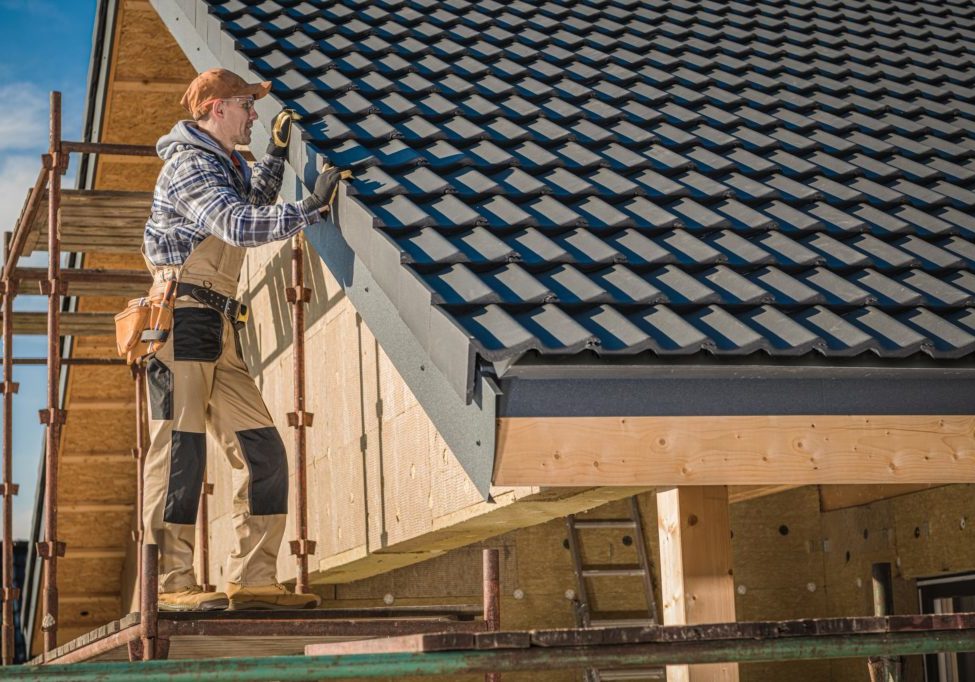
{"x": 327, "y": 184}
{"x": 281, "y": 132}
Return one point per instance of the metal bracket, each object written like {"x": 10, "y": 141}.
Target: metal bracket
{"x": 302, "y": 547}
{"x": 293, "y": 293}
{"x": 10, "y": 593}
{"x": 47, "y": 550}
{"x": 300, "y": 418}
{"x": 9, "y": 489}
{"x": 52, "y": 415}
{"x": 10, "y": 387}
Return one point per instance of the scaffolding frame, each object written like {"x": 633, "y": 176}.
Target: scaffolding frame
{"x": 54, "y": 283}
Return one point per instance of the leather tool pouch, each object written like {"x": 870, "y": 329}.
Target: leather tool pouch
{"x": 129, "y": 325}
{"x": 144, "y": 326}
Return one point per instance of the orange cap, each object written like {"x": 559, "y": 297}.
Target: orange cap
{"x": 219, "y": 84}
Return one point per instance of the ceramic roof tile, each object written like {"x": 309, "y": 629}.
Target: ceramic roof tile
{"x": 793, "y": 177}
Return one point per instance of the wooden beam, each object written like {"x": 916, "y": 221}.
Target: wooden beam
{"x": 833, "y": 497}
{"x": 696, "y": 581}
{"x": 743, "y": 493}
{"x": 752, "y": 450}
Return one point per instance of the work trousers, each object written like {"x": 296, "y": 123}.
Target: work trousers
{"x": 197, "y": 383}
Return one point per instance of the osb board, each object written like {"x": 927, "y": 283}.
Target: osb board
{"x": 95, "y": 528}
{"x": 142, "y": 40}
{"x": 90, "y": 613}
{"x": 88, "y": 575}
{"x": 101, "y": 429}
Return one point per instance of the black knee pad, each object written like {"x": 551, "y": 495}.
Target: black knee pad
{"x": 264, "y": 451}
{"x": 188, "y": 459}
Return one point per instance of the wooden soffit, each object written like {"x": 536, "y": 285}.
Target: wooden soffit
{"x": 735, "y": 450}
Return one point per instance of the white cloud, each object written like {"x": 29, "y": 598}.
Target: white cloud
{"x": 24, "y": 117}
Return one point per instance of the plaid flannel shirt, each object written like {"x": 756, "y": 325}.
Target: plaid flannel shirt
{"x": 202, "y": 191}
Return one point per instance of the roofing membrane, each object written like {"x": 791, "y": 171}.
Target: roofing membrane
{"x": 789, "y": 177}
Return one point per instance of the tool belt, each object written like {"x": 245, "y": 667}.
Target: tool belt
{"x": 235, "y": 311}
{"x": 143, "y": 327}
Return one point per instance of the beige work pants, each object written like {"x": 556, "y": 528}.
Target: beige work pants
{"x": 198, "y": 383}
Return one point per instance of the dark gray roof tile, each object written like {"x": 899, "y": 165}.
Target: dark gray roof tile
{"x": 799, "y": 176}
{"x": 840, "y": 337}
{"x": 785, "y": 336}
{"x": 886, "y": 291}
{"x": 937, "y": 292}
{"x": 725, "y": 332}
{"x": 892, "y": 337}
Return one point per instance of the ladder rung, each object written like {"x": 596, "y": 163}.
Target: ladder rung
{"x": 612, "y": 571}
{"x": 605, "y": 523}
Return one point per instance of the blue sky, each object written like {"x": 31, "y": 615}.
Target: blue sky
{"x": 44, "y": 46}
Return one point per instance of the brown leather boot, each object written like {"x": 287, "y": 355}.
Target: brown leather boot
{"x": 274, "y": 596}
{"x": 192, "y": 598}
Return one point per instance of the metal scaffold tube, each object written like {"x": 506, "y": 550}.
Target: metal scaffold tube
{"x": 9, "y": 594}
{"x": 139, "y": 453}
{"x": 203, "y": 534}
{"x": 298, "y": 295}
{"x": 53, "y": 416}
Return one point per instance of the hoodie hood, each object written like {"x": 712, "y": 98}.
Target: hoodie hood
{"x": 186, "y": 133}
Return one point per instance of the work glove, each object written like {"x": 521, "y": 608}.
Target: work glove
{"x": 281, "y": 132}
{"x": 327, "y": 184}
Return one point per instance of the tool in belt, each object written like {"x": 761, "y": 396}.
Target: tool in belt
{"x": 231, "y": 308}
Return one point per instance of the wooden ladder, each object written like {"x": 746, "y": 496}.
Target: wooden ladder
{"x": 585, "y": 617}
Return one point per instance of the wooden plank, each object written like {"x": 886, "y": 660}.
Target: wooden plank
{"x": 696, "y": 568}
{"x": 752, "y": 450}
{"x": 72, "y": 324}
{"x": 443, "y": 641}
{"x": 833, "y": 497}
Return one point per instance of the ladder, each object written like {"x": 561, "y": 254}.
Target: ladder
{"x": 585, "y": 616}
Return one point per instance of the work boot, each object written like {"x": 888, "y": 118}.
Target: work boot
{"x": 192, "y": 598}
{"x": 274, "y": 596}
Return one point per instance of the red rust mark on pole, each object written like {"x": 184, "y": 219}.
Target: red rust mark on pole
{"x": 492, "y": 598}
{"x": 54, "y": 417}
{"x": 203, "y": 534}
{"x": 149, "y": 601}
{"x": 9, "y": 595}
{"x": 298, "y": 295}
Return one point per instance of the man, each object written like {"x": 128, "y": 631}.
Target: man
{"x": 207, "y": 206}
